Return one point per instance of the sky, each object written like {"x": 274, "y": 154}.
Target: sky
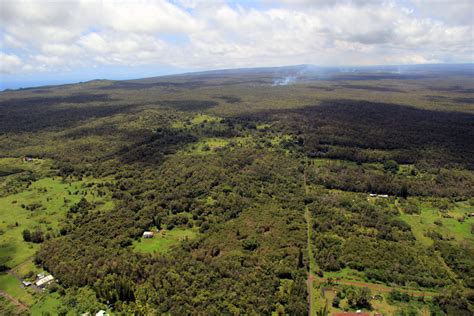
{"x": 60, "y": 41}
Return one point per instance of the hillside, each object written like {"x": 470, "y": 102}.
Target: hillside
{"x": 267, "y": 190}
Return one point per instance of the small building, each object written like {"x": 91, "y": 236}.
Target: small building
{"x": 26, "y": 283}
{"x": 358, "y": 313}
{"x": 44, "y": 281}
{"x": 101, "y": 313}
{"x": 385, "y": 196}
{"x": 373, "y": 195}
{"x": 27, "y": 159}
{"x": 147, "y": 234}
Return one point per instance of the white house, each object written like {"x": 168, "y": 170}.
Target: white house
{"x": 147, "y": 234}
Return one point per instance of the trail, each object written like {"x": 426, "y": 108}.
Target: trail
{"x": 15, "y": 301}
{"x": 22, "y": 306}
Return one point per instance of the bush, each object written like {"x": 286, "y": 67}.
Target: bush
{"x": 26, "y": 235}
{"x": 37, "y": 236}
{"x": 250, "y": 244}
{"x": 391, "y": 166}
{"x": 395, "y": 295}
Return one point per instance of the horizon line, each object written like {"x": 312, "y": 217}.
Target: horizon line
{"x": 198, "y": 72}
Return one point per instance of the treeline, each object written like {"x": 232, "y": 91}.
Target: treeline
{"x": 358, "y": 178}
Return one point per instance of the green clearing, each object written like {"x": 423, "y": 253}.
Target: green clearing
{"x": 449, "y": 228}
{"x": 196, "y": 120}
{"x": 47, "y": 304}
{"x": 11, "y": 169}
{"x": 345, "y": 274}
{"x": 11, "y": 285}
{"x": 163, "y": 241}
{"x": 207, "y": 145}
{"x": 263, "y": 126}
{"x": 24, "y": 269}
{"x": 379, "y": 302}
{"x": 37, "y": 165}
{"x": 51, "y": 195}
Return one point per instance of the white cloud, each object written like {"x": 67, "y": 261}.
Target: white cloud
{"x": 146, "y": 17}
{"x": 9, "y": 63}
{"x": 215, "y": 34}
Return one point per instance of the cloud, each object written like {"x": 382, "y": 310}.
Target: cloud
{"x": 146, "y": 17}
{"x": 53, "y": 36}
{"x": 458, "y": 12}
{"x": 9, "y": 63}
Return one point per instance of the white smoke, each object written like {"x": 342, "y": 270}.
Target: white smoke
{"x": 284, "y": 81}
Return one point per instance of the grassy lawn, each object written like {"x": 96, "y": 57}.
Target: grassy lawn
{"x": 163, "y": 241}
{"x": 24, "y": 268}
{"x": 12, "y": 286}
{"x": 345, "y": 274}
{"x": 47, "y": 304}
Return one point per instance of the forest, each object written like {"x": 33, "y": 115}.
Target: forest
{"x": 352, "y": 192}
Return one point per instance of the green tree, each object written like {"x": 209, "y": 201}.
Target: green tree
{"x": 26, "y": 235}
{"x": 82, "y": 300}
{"x": 391, "y": 166}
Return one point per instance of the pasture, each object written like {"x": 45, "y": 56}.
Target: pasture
{"x": 163, "y": 241}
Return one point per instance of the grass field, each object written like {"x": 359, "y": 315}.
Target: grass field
{"x": 379, "y": 302}
{"x": 52, "y": 197}
{"x": 163, "y": 241}
{"x": 50, "y": 194}
{"x": 449, "y": 228}
{"x": 16, "y": 163}
{"x": 11, "y": 285}
{"x": 346, "y": 274}
{"x": 47, "y": 304}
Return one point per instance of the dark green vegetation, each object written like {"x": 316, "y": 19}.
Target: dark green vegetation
{"x": 223, "y": 168}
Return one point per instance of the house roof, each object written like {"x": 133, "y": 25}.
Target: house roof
{"x": 44, "y": 280}
{"x": 351, "y": 314}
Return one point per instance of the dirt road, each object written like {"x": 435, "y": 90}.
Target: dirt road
{"x": 15, "y": 301}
